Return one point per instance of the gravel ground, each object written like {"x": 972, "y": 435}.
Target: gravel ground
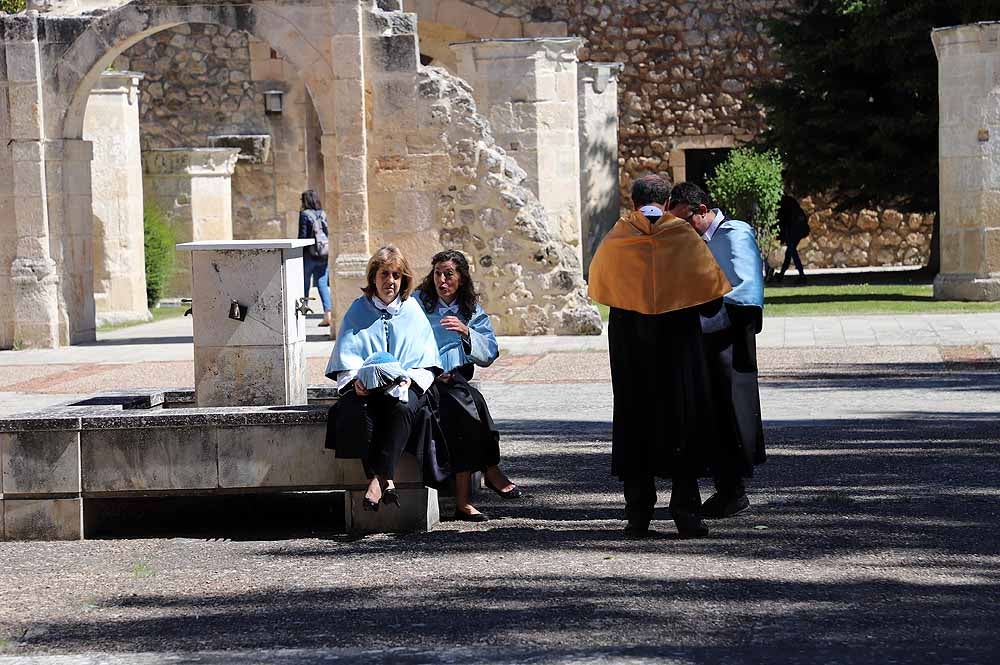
{"x": 873, "y": 537}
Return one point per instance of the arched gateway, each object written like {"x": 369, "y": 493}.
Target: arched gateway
{"x": 406, "y": 158}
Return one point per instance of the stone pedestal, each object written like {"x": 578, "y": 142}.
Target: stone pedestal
{"x": 261, "y": 359}
{"x": 112, "y": 125}
{"x": 969, "y": 153}
{"x": 193, "y": 188}
{"x": 600, "y": 189}
{"x": 527, "y": 89}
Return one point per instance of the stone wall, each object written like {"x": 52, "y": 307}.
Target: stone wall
{"x": 204, "y": 85}
{"x": 859, "y": 239}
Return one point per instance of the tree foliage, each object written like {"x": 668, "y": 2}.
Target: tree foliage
{"x": 159, "y": 248}
{"x": 857, "y": 112}
{"x": 13, "y": 6}
{"x": 749, "y": 186}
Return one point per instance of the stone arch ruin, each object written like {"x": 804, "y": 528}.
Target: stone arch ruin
{"x": 407, "y": 158}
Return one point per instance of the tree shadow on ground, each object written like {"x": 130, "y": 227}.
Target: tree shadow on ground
{"x": 881, "y": 543}
{"x": 971, "y": 376}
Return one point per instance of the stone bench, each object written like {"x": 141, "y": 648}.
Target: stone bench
{"x": 156, "y": 444}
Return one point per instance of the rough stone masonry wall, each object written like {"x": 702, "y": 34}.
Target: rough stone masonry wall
{"x": 866, "y": 238}
{"x": 200, "y": 83}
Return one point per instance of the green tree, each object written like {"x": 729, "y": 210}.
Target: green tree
{"x": 13, "y": 6}
{"x": 857, "y": 111}
{"x": 159, "y": 249}
{"x": 749, "y": 186}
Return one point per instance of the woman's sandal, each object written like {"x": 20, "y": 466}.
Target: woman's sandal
{"x": 513, "y": 493}
{"x": 390, "y": 496}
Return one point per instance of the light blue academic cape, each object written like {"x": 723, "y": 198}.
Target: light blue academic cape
{"x": 734, "y": 247}
{"x": 483, "y": 341}
{"x": 367, "y": 329}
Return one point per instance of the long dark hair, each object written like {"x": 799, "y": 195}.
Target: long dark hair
{"x": 310, "y": 200}
{"x": 467, "y": 296}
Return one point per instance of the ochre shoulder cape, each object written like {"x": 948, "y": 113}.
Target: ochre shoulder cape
{"x": 655, "y": 268}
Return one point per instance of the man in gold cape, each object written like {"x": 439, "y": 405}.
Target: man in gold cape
{"x": 658, "y": 277}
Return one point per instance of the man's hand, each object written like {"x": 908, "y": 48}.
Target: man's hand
{"x": 454, "y": 324}
{"x": 360, "y": 389}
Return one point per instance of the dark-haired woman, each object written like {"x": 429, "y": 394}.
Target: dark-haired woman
{"x": 465, "y": 339}
{"x": 316, "y": 258}
{"x": 378, "y": 425}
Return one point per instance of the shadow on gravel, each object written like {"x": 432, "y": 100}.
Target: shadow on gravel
{"x": 981, "y": 376}
{"x": 901, "y": 511}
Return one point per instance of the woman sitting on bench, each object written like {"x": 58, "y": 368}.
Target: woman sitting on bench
{"x": 464, "y": 339}
{"x": 375, "y": 419}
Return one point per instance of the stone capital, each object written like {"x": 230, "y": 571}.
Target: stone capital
{"x": 983, "y": 37}
{"x": 554, "y": 49}
{"x": 119, "y": 83}
{"x": 201, "y": 162}
{"x": 598, "y": 75}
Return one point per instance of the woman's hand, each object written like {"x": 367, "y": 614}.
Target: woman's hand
{"x": 405, "y": 384}
{"x": 454, "y": 324}
{"x": 360, "y": 389}
{"x": 444, "y": 378}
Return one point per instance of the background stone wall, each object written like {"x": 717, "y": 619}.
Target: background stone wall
{"x": 859, "y": 239}
{"x": 205, "y": 80}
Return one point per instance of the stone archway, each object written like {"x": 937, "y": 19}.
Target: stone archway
{"x": 52, "y": 279}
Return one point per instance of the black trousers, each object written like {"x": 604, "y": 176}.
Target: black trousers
{"x": 375, "y": 428}
{"x": 792, "y": 254}
{"x": 640, "y": 496}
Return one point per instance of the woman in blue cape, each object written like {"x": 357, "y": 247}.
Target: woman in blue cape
{"x": 378, "y": 424}
{"x": 465, "y": 339}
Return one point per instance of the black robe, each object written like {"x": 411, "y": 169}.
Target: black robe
{"x": 663, "y": 420}
{"x": 473, "y": 439}
{"x": 732, "y": 361}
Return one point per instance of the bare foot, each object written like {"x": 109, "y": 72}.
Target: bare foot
{"x": 496, "y": 478}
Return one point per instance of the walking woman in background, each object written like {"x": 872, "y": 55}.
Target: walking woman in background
{"x": 316, "y": 258}
{"x": 465, "y": 339}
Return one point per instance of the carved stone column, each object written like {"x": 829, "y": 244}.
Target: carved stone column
{"x": 527, "y": 89}
{"x": 193, "y": 187}
{"x": 600, "y": 187}
{"x": 969, "y": 153}
{"x": 112, "y": 125}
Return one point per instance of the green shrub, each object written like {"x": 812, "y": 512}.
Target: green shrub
{"x": 749, "y": 186}
{"x": 13, "y": 6}
{"x": 159, "y": 245}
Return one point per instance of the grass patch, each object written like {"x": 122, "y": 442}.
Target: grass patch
{"x": 847, "y": 299}
{"x": 142, "y": 570}
{"x": 863, "y": 299}
{"x": 159, "y": 313}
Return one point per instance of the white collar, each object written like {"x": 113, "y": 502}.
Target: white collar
{"x": 719, "y": 218}
{"x": 393, "y": 307}
{"x": 444, "y": 308}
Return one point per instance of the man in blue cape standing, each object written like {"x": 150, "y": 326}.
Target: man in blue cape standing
{"x": 731, "y": 348}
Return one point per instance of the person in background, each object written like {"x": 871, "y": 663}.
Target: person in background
{"x": 793, "y": 226}
{"x": 657, "y": 276}
{"x": 731, "y": 348}
{"x": 465, "y": 339}
{"x": 316, "y": 258}
{"x": 378, "y": 425}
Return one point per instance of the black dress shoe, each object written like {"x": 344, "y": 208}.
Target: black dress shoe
{"x": 390, "y": 497}
{"x": 637, "y": 529}
{"x": 467, "y": 517}
{"x": 689, "y": 525}
{"x": 719, "y": 505}
{"x": 513, "y": 493}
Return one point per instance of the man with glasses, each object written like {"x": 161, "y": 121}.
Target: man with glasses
{"x": 731, "y": 348}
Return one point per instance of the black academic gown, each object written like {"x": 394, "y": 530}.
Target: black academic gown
{"x": 473, "y": 438}
{"x": 732, "y": 362}
{"x": 663, "y": 420}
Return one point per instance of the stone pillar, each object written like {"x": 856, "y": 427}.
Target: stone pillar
{"x": 527, "y": 89}
{"x": 111, "y": 123}
{"x": 31, "y": 273}
{"x": 345, "y": 157}
{"x": 259, "y": 360}
{"x": 193, "y": 189}
{"x": 969, "y": 153}
{"x": 600, "y": 189}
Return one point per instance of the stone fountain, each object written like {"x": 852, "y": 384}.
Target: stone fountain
{"x": 251, "y": 425}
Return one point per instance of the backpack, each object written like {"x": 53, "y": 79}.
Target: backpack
{"x": 321, "y": 249}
